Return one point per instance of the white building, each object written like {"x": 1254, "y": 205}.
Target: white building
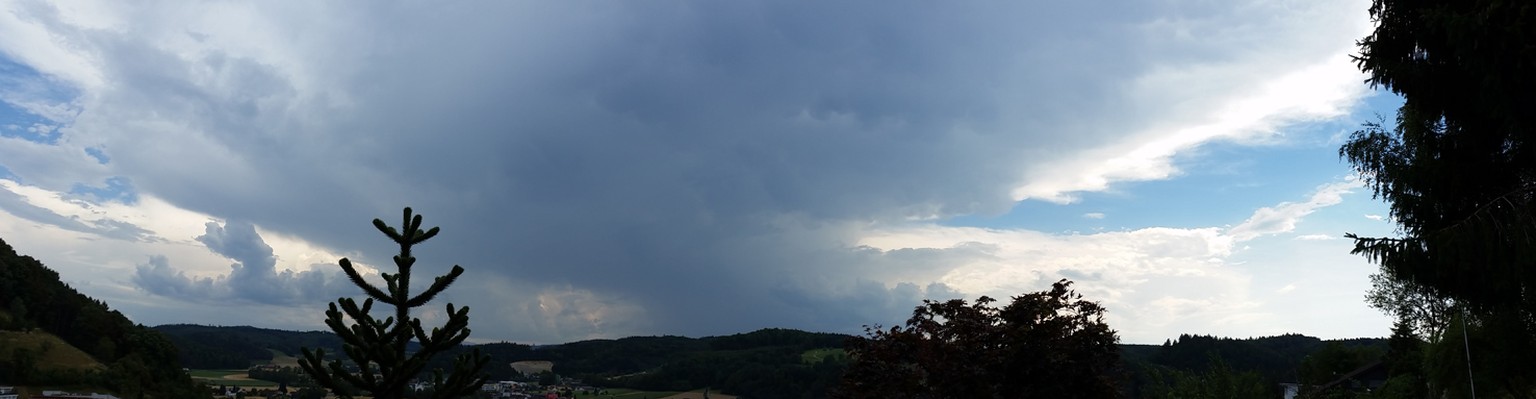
{"x": 1290, "y": 389}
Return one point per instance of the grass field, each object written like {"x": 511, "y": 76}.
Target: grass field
{"x": 239, "y": 378}
{"x": 814, "y": 356}
{"x": 228, "y": 377}
{"x": 698, "y": 394}
{"x": 621, "y": 393}
{"x": 214, "y": 374}
{"x": 52, "y": 353}
{"x": 283, "y": 360}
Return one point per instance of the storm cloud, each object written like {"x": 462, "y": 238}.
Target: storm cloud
{"x": 604, "y": 169}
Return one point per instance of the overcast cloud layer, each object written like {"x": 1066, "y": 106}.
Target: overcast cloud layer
{"x": 606, "y": 169}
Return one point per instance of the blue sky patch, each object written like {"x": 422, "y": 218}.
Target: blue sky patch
{"x": 117, "y": 189}
{"x": 96, "y": 152}
{"x": 1238, "y": 178}
{"x": 20, "y": 84}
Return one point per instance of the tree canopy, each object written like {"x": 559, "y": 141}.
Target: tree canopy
{"x": 1459, "y": 166}
{"x": 1458, "y": 169}
{"x": 1050, "y": 344}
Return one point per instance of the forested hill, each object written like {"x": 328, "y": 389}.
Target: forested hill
{"x": 783, "y": 363}
{"x": 205, "y": 347}
{"x": 771, "y": 363}
{"x": 138, "y": 360}
{"x": 768, "y": 363}
{"x": 1277, "y": 359}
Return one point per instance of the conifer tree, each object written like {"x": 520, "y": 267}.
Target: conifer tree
{"x": 1459, "y": 166}
{"x": 379, "y": 347}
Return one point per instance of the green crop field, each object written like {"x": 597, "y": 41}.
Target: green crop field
{"x": 228, "y": 377}
{"x": 817, "y": 355}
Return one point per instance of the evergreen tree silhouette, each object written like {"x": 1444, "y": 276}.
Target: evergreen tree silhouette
{"x": 378, "y": 347}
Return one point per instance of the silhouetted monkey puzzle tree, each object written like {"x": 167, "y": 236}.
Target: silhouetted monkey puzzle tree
{"x": 378, "y": 347}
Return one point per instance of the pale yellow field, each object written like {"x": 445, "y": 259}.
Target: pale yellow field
{"x": 700, "y": 395}
{"x": 531, "y": 367}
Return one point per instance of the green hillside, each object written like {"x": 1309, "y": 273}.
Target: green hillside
{"x": 42, "y": 311}
{"x": 43, "y": 352}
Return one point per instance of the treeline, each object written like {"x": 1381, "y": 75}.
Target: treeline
{"x": 1194, "y": 365}
{"x": 1275, "y": 358}
{"x": 768, "y": 363}
{"x": 206, "y": 347}
{"x": 138, "y": 360}
{"x": 783, "y": 363}
{"x": 283, "y": 376}
{"x": 772, "y": 372}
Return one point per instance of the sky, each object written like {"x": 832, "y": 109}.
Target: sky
{"x": 610, "y": 169}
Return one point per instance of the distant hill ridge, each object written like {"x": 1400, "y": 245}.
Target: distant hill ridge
{"x": 232, "y": 347}
{"x": 767, "y": 363}
{"x": 737, "y": 363}
{"x": 239, "y": 347}
{"x": 1275, "y": 358}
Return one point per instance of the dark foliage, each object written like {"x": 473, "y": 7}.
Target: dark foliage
{"x": 1274, "y": 359}
{"x": 501, "y": 356}
{"x": 1218, "y": 381}
{"x": 766, "y": 363}
{"x": 284, "y": 376}
{"x": 1049, "y": 344}
{"x": 770, "y": 337}
{"x": 770, "y": 372}
{"x": 378, "y": 348}
{"x": 758, "y": 364}
{"x": 1500, "y": 362}
{"x": 1459, "y": 171}
{"x": 1334, "y": 361}
{"x": 1405, "y": 363}
{"x": 1459, "y": 166}
{"x": 209, "y": 347}
{"x": 619, "y": 356}
{"x": 140, "y": 361}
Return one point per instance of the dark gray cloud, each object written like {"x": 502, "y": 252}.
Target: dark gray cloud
{"x": 650, "y": 165}
{"x": 238, "y": 240}
{"x": 158, "y": 277}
